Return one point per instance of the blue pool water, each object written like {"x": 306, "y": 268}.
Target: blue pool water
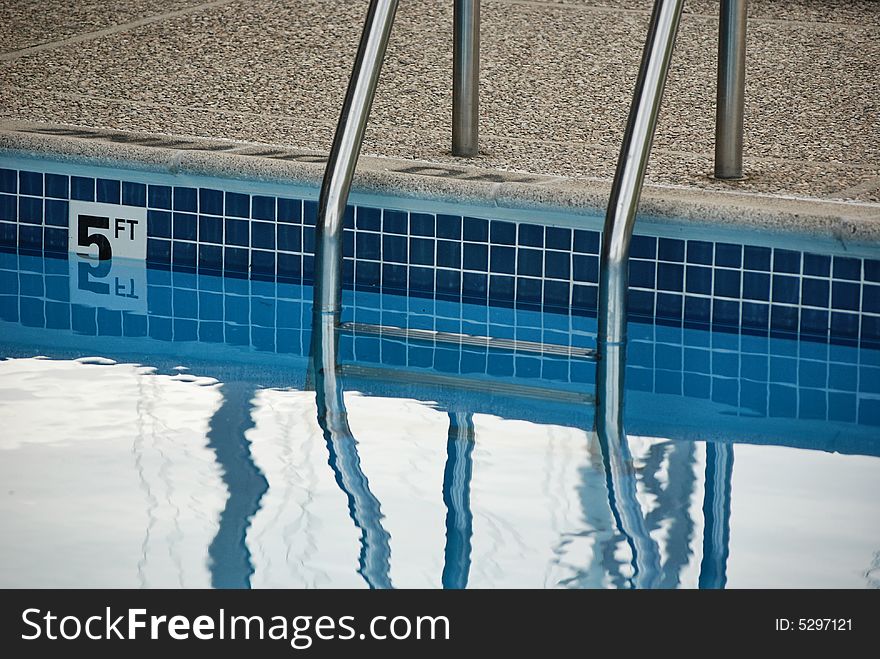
{"x": 161, "y": 428}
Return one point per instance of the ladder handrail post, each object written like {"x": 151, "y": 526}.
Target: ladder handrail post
{"x": 466, "y": 78}
{"x": 730, "y": 94}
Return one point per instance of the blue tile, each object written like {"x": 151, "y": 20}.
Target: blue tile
{"x": 8, "y": 208}
{"x": 528, "y": 292}
{"x": 696, "y": 386}
{"x": 812, "y": 374}
{"x": 421, "y": 224}
{"x": 727, "y": 283}
{"x": 211, "y": 257}
{"x": 422, "y": 280}
{"x": 421, "y": 251}
{"x": 30, "y": 183}
{"x": 871, "y": 298}
{"x": 367, "y": 274}
{"x": 669, "y": 249}
{"x": 784, "y": 319}
{"x": 32, "y": 284}
{"x": 869, "y": 411}
{"x": 84, "y": 320}
{"x": 642, "y": 274}
{"x": 30, "y": 237}
{"x": 872, "y": 270}
{"x": 728, "y": 255}
{"x": 756, "y": 286}
{"x": 237, "y": 205}
{"x": 841, "y": 407}
{"x": 476, "y": 229}
{"x": 557, "y": 294}
{"x": 782, "y": 401}
{"x": 502, "y": 288}
{"x": 845, "y": 296}
{"x": 670, "y": 277}
{"x": 557, "y": 265}
{"x": 814, "y": 322}
{"x": 530, "y": 262}
{"x": 871, "y": 330}
{"x": 158, "y": 224}
{"x": 394, "y": 276}
{"x": 185, "y": 329}
{"x": 448, "y": 254}
{"x": 210, "y": 229}
{"x": 699, "y": 280}
{"x": 697, "y": 310}
{"x": 108, "y": 191}
{"x": 847, "y": 268}
{"x": 643, "y": 247}
{"x": 186, "y": 226}
{"x": 290, "y": 267}
{"x": 133, "y": 194}
{"x": 585, "y": 268}
{"x": 263, "y": 264}
{"x": 476, "y": 257}
{"x": 210, "y": 201}
{"x": 699, "y": 251}
{"x": 183, "y": 255}
{"x": 641, "y": 303}
{"x": 817, "y": 265}
{"x": 237, "y": 309}
{"x": 159, "y": 196}
{"x": 57, "y": 212}
{"x": 814, "y": 292}
{"x": 263, "y": 208}
{"x": 368, "y": 219}
{"x": 290, "y": 237}
{"x": 159, "y": 300}
{"x": 394, "y": 249}
{"x": 237, "y": 335}
{"x": 57, "y": 186}
{"x": 502, "y": 233}
{"x": 531, "y": 235}
{"x": 55, "y": 240}
{"x": 394, "y": 221}
{"x": 33, "y": 312}
{"x": 57, "y": 315}
{"x": 235, "y": 260}
{"x": 237, "y": 232}
{"x": 812, "y": 404}
{"x": 185, "y": 303}
{"x": 30, "y": 210}
{"x": 557, "y": 238}
{"x": 669, "y": 306}
{"x": 726, "y": 313}
{"x": 586, "y": 242}
{"x": 159, "y": 328}
{"x": 449, "y": 226}
{"x": 756, "y": 258}
{"x": 308, "y": 267}
{"x": 263, "y": 235}
{"x": 448, "y": 284}
{"x": 786, "y": 289}
{"x": 310, "y": 212}
{"x": 786, "y": 260}
{"x": 8, "y": 180}
{"x": 159, "y": 251}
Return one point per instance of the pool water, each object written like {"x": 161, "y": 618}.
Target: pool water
{"x": 176, "y": 441}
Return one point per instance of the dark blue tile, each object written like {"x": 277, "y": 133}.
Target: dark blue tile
{"x": 872, "y": 270}
{"x": 642, "y": 274}
{"x": 57, "y": 186}
{"x": 57, "y": 315}
{"x": 557, "y": 238}
{"x": 133, "y": 194}
{"x": 448, "y": 284}
{"x": 237, "y": 309}
{"x": 786, "y": 260}
{"x": 159, "y": 251}
{"x": 641, "y": 303}
{"x": 185, "y": 329}
{"x": 185, "y": 303}
{"x": 394, "y": 221}
{"x": 786, "y": 289}
{"x": 235, "y": 260}
{"x": 57, "y": 212}
{"x": 448, "y": 254}
{"x": 531, "y": 235}
{"x": 30, "y": 210}
{"x": 697, "y": 310}
{"x": 263, "y": 264}
{"x": 108, "y": 191}
{"x": 847, "y": 268}
{"x": 8, "y": 180}
{"x": 528, "y": 291}
{"x": 643, "y": 247}
{"x": 421, "y": 224}
{"x": 84, "y": 320}
{"x": 30, "y": 237}
{"x": 30, "y": 183}
{"x": 394, "y": 276}
{"x": 755, "y": 316}
{"x": 55, "y": 240}
{"x": 502, "y": 289}
{"x": 237, "y": 232}
{"x": 669, "y": 306}
{"x": 211, "y": 257}
{"x": 814, "y": 292}
{"x": 290, "y": 267}
{"x": 782, "y": 401}
{"x": 586, "y": 242}
{"x": 727, "y": 283}
{"x": 186, "y": 226}
{"x": 845, "y": 296}
{"x": 476, "y": 257}
{"x": 585, "y": 268}
{"x": 263, "y": 311}
{"x": 814, "y": 322}
{"x": 263, "y": 208}
{"x": 159, "y": 300}
{"x": 210, "y": 201}
{"x": 82, "y": 189}
{"x": 421, "y": 251}
{"x": 186, "y": 199}
{"x": 263, "y": 235}
{"x": 756, "y": 286}
{"x": 476, "y": 229}
{"x": 394, "y": 249}
{"x": 784, "y": 319}
{"x": 670, "y": 249}
{"x": 725, "y": 313}
{"x": 308, "y": 267}
{"x": 310, "y": 212}
{"x": 871, "y": 298}
{"x": 449, "y": 226}
{"x": 367, "y": 274}
{"x": 183, "y": 255}
{"x": 421, "y": 280}
{"x": 699, "y": 251}
{"x": 210, "y": 229}
{"x": 670, "y": 277}
{"x": 699, "y": 280}
{"x": 557, "y": 265}
{"x": 33, "y": 312}
{"x": 158, "y": 196}
{"x": 8, "y": 208}
{"x": 756, "y": 258}
{"x": 290, "y": 237}
{"x": 871, "y": 330}
{"x": 237, "y": 205}
{"x": 159, "y": 328}
{"x": 557, "y": 294}
{"x": 368, "y": 219}
{"x": 502, "y": 233}
{"x": 728, "y": 255}
{"x": 158, "y": 224}
{"x": 817, "y": 265}
{"x": 530, "y": 262}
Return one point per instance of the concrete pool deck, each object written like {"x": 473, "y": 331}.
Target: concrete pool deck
{"x": 557, "y": 79}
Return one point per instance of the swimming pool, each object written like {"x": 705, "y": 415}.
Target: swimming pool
{"x": 162, "y": 428}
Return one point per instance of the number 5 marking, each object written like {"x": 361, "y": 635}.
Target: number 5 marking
{"x": 84, "y": 238}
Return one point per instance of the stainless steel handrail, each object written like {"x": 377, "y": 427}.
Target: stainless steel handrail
{"x": 731, "y": 90}
{"x": 466, "y": 78}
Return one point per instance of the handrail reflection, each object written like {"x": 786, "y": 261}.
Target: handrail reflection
{"x": 457, "y": 499}
{"x": 716, "y": 513}
{"x": 363, "y": 506}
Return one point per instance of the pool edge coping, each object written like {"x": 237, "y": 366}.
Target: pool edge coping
{"x": 842, "y": 221}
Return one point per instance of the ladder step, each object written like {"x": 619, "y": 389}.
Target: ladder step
{"x": 431, "y": 336}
